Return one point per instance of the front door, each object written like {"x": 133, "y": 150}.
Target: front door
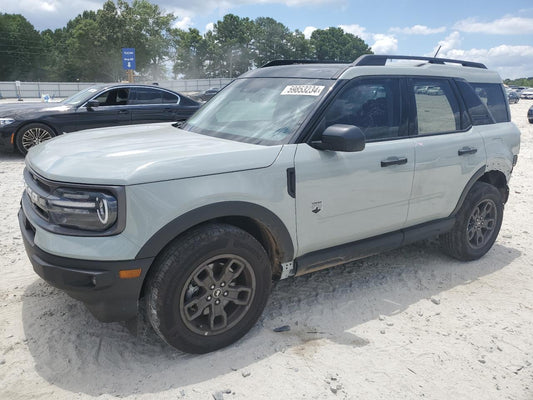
{"x": 343, "y": 197}
{"x": 113, "y": 110}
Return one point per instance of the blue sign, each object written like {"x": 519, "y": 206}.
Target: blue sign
{"x": 128, "y": 58}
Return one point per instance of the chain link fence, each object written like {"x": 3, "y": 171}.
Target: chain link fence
{"x": 28, "y": 90}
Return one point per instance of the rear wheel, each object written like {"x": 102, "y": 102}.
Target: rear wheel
{"x": 208, "y": 288}
{"x": 477, "y": 224}
{"x": 31, "y": 135}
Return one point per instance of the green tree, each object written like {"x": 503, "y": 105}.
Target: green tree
{"x": 190, "y": 53}
{"x": 271, "y": 40}
{"x": 300, "y": 47}
{"x": 528, "y": 82}
{"x": 148, "y": 30}
{"x": 333, "y": 44}
{"x": 232, "y": 54}
{"x": 21, "y": 49}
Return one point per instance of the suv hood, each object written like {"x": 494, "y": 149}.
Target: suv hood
{"x": 137, "y": 154}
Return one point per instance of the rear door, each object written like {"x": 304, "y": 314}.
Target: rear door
{"x": 448, "y": 150}
{"x": 343, "y": 197}
{"x": 153, "y": 105}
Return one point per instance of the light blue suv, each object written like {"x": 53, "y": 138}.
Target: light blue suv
{"x": 292, "y": 168}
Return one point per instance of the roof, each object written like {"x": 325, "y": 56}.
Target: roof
{"x": 370, "y": 64}
{"x": 313, "y": 70}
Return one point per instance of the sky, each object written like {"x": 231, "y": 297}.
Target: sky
{"x": 498, "y": 33}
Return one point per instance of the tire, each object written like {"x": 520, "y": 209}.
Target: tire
{"x": 477, "y": 224}
{"x": 208, "y": 288}
{"x": 31, "y": 135}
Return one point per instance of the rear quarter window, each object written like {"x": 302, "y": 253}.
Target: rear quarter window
{"x": 493, "y": 96}
{"x": 477, "y": 109}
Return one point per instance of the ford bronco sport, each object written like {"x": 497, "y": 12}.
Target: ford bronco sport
{"x": 292, "y": 168}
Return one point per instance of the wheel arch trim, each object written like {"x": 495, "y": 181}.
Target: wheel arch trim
{"x": 225, "y": 209}
{"x": 478, "y": 176}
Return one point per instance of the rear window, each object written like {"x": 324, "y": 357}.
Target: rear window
{"x": 493, "y": 95}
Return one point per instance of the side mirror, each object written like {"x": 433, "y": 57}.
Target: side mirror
{"x": 92, "y": 103}
{"x": 341, "y": 137}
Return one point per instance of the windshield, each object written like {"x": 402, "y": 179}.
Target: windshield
{"x": 81, "y": 96}
{"x": 259, "y": 110}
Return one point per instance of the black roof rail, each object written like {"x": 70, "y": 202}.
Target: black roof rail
{"x": 379, "y": 60}
{"x": 276, "y": 63}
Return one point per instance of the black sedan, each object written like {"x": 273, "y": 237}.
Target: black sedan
{"x": 530, "y": 115}
{"x": 22, "y": 126}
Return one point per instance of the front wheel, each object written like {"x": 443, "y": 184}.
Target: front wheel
{"x": 477, "y": 224}
{"x": 208, "y": 288}
{"x": 31, "y": 135}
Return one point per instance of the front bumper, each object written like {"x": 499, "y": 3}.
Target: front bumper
{"x": 96, "y": 283}
{"x": 7, "y": 137}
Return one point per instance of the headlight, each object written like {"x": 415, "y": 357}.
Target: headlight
{"x": 94, "y": 211}
{"x": 6, "y": 121}
{"x": 77, "y": 208}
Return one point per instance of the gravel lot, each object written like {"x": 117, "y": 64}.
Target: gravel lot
{"x": 407, "y": 324}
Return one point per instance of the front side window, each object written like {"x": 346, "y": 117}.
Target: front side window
{"x": 264, "y": 111}
{"x": 371, "y": 104}
{"x": 113, "y": 97}
{"x": 437, "y": 109}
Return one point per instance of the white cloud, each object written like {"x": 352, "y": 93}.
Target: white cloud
{"x": 356, "y": 30}
{"x": 308, "y": 31}
{"x": 209, "y": 27}
{"x": 384, "y": 44}
{"x": 185, "y": 23}
{"x": 509, "y": 61}
{"x": 222, "y": 6}
{"x": 418, "y": 30}
{"x": 507, "y": 25}
{"x": 450, "y": 43}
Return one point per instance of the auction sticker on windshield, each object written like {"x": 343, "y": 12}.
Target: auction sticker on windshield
{"x": 302, "y": 90}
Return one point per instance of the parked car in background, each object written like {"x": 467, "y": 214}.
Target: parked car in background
{"x": 517, "y": 89}
{"x": 209, "y": 93}
{"x": 512, "y": 96}
{"x": 530, "y": 115}
{"x": 434, "y": 91}
{"x": 23, "y": 126}
{"x": 526, "y": 94}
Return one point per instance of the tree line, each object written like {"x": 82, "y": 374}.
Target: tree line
{"x": 527, "y": 82}
{"x": 88, "y": 48}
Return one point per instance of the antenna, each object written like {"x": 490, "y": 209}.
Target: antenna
{"x": 435, "y": 56}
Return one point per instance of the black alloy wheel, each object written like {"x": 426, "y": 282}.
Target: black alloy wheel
{"x": 208, "y": 287}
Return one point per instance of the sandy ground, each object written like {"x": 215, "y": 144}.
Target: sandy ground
{"x": 407, "y": 324}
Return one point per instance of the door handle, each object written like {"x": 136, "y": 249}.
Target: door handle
{"x": 124, "y": 111}
{"x": 466, "y": 150}
{"x": 393, "y": 161}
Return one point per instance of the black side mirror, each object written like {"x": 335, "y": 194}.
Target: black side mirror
{"x": 341, "y": 137}
{"x": 92, "y": 103}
